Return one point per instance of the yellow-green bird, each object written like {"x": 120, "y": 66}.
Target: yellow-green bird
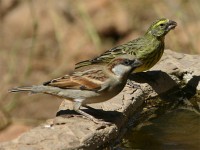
{"x": 148, "y": 49}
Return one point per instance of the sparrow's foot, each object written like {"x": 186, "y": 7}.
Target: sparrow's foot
{"x": 93, "y": 109}
{"x": 97, "y": 121}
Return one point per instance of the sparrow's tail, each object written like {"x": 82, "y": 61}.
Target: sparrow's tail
{"x": 37, "y": 89}
{"x": 32, "y": 89}
{"x": 21, "y": 89}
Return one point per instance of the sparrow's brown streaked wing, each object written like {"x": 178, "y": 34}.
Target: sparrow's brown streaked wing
{"x": 80, "y": 80}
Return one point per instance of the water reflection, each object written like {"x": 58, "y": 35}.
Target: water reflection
{"x": 179, "y": 129}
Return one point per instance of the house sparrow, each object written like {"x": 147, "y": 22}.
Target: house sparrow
{"x": 148, "y": 48}
{"x": 97, "y": 83}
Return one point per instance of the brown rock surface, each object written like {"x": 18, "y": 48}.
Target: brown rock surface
{"x": 180, "y": 71}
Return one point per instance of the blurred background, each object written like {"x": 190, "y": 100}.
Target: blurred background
{"x": 43, "y": 39}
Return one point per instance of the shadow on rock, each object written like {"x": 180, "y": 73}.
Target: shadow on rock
{"x": 108, "y": 116}
{"x": 190, "y": 88}
{"x": 168, "y": 90}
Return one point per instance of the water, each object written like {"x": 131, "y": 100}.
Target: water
{"x": 177, "y": 130}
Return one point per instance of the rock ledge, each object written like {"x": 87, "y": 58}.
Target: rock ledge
{"x": 179, "y": 71}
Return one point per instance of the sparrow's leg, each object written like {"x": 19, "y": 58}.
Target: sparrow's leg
{"x": 77, "y": 106}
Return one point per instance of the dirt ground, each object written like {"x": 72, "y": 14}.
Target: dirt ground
{"x": 41, "y": 40}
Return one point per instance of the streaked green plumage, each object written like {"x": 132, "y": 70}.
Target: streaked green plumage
{"x": 148, "y": 48}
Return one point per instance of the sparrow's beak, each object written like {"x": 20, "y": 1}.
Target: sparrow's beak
{"x": 171, "y": 25}
{"x": 136, "y": 63}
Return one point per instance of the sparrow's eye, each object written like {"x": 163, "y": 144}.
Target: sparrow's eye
{"x": 126, "y": 62}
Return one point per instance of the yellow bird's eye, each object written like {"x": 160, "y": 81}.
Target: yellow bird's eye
{"x": 161, "y": 24}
